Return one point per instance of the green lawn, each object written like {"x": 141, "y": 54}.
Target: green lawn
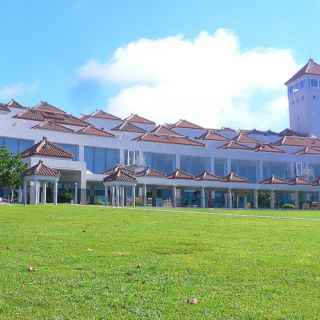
{"x": 101, "y": 263}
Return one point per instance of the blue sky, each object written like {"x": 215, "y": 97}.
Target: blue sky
{"x": 45, "y": 43}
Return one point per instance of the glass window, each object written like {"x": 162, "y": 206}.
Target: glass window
{"x": 72, "y": 148}
{"x": 162, "y": 162}
{"x": 245, "y": 168}
{"x": 195, "y": 165}
{"x": 99, "y": 160}
{"x": 220, "y": 166}
{"x": 278, "y": 169}
{"x": 313, "y": 83}
{"x": 15, "y": 145}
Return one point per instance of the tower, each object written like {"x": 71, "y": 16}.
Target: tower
{"x": 304, "y": 99}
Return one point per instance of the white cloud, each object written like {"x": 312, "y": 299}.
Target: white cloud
{"x": 209, "y": 80}
{"x": 15, "y": 90}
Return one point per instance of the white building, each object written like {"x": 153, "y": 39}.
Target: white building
{"x": 100, "y": 158}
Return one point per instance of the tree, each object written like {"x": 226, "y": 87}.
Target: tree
{"x": 11, "y": 170}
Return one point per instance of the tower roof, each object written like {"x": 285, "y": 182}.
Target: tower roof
{"x": 311, "y": 68}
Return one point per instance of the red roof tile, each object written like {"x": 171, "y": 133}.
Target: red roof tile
{"x": 46, "y": 107}
{"x": 179, "y": 174}
{"x": 232, "y": 177}
{"x": 150, "y": 173}
{"x": 163, "y": 130}
{"x": 244, "y": 138}
{"x": 14, "y": 104}
{"x": 274, "y": 180}
{"x": 3, "y": 107}
{"x": 268, "y": 148}
{"x": 213, "y": 136}
{"x": 128, "y": 127}
{"x": 290, "y": 132}
{"x": 138, "y": 119}
{"x": 93, "y": 131}
{"x": 299, "y": 181}
{"x": 295, "y": 141}
{"x": 311, "y": 68}
{"x": 40, "y": 169}
{"x": 309, "y": 150}
{"x": 235, "y": 145}
{"x": 207, "y": 176}
{"x": 51, "y": 125}
{"x": 120, "y": 174}
{"x": 99, "y": 114}
{"x": 46, "y": 149}
{"x": 186, "y": 125}
{"x": 151, "y": 137}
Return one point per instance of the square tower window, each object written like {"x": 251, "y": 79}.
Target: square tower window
{"x": 313, "y": 83}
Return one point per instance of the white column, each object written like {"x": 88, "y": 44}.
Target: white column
{"x": 75, "y": 193}
{"x": 55, "y": 192}
{"x": 122, "y": 196}
{"x": 144, "y": 194}
{"x": 255, "y": 199}
{"x": 174, "y": 196}
{"x": 273, "y": 200}
{"x": 106, "y": 194}
{"x": 203, "y": 198}
{"x": 83, "y": 188}
{"x": 118, "y": 195}
{"x": 228, "y": 165}
{"x": 25, "y": 200}
{"x": 44, "y": 192}
{"x": 37, "y": 192}
{"x": 296, "y": 199}
{"x": 113, "y": 195}
{"x": 134, "y": 196}
{"x": 229, "y": 197}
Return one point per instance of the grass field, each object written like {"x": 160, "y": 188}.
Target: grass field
{"x": 102, "y": 263}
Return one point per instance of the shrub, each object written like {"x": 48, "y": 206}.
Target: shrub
{"x": 288, "y": 206}
{"x": 66, "y": 197}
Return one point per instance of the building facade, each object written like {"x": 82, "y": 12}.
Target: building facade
{"x": 101, "y": 158}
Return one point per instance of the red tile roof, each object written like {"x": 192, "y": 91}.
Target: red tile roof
{"x": 51, "y": 125}
{"x": 309, "y": 150}
{"x": 3, "y": 107}
{"x": 244, "y": 138}
{"x": 138, "y": 119}
{"x": 289, "y": 132}
{"x": 120, "y": 174}
{"x": 213, "y": 136}
{"x": 61, "y": 118}
{"x": 40, "y": 169}
{"x": 93, "y": 131}
{"x": 46, "y": 107}
{"x": 235, "y": 145}
{"x": 207, "y": 176}
{"x": 148, "y": 172}
{"x": 274, "y": 180}
{"x": 46, "y": 149}
{"x": 151, "y": 137}
{"x": 185, "y": 125}
{"x": 299, "y": 181}
{"x": 99, "y": 114}
{"x": 127, "y": 126}
{"x": 311, "y": 68}
{"x": 268, "y": 148}
{"x": 14, "y": 104}
{"x": 163, "y": 130}
{"x": 179, "y": 174}
{"x": 295, "y": 141}
{"x": 232, "y": 177}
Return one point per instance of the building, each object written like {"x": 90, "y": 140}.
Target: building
{"x": 100, "y": 158}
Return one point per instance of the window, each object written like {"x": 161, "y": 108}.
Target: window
{"x": 162, "y": 162}
{"x": 220, "y": 166}
{"x": 99, "y": 160}
{"x": 195, "y": 165}
{"x": 245, "y": 168}
{"x": 131, "y": 157}
{"x": 278, "y": 169}
{"x": 15, "y": 145}
{"x": 72, "y": 148}
{"x": 313, "y": 83}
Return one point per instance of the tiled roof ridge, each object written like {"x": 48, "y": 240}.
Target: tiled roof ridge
{"x": 135, "y": 118}
{"x": 40, "y": 169}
